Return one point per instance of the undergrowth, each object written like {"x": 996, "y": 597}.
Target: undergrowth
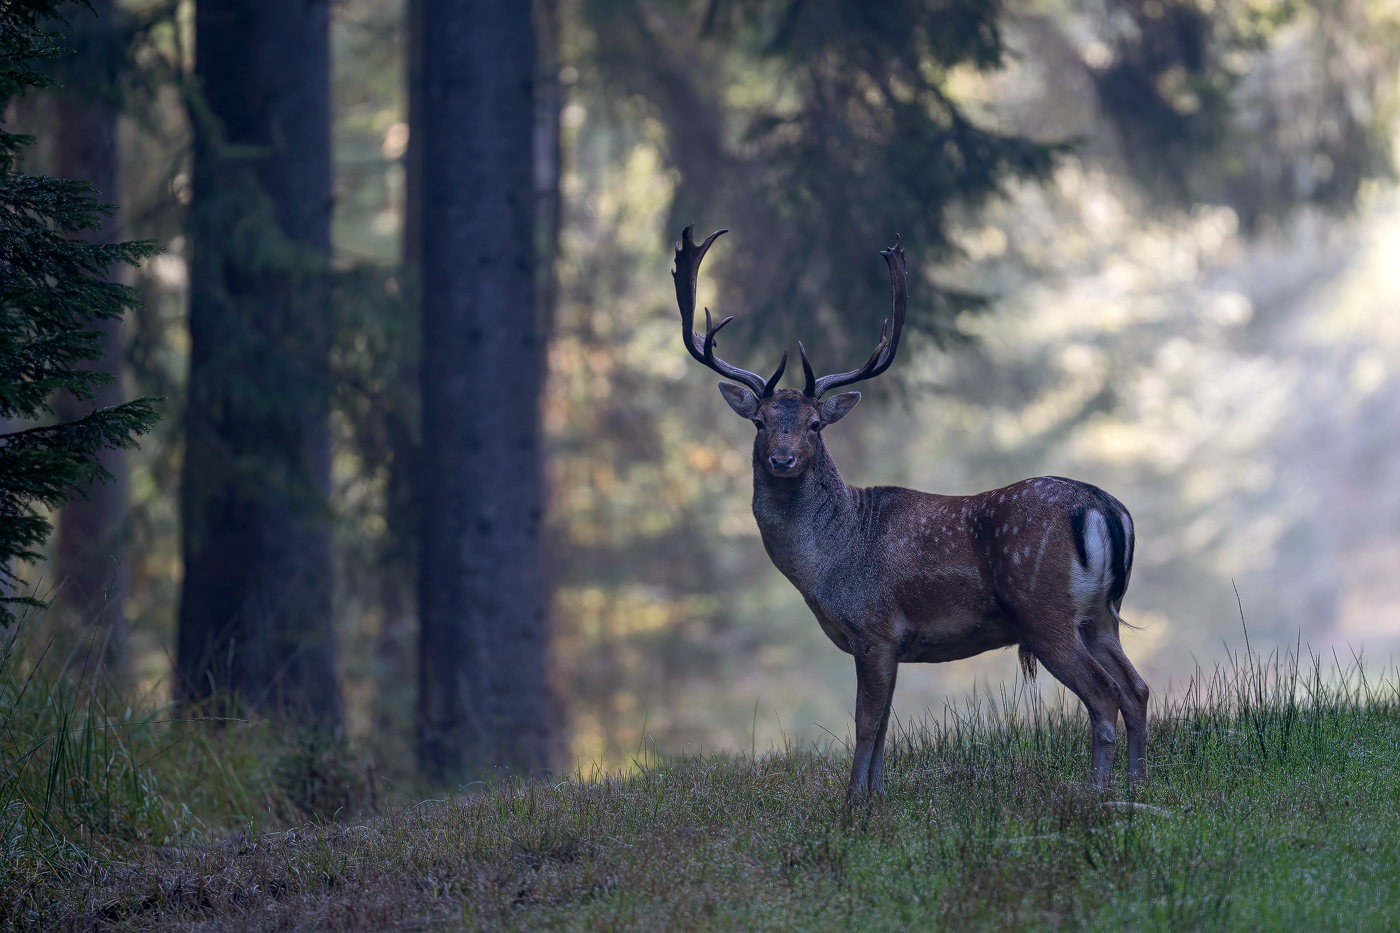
{"x": 1271, "y": 804}
{"x": 87, "y": 778}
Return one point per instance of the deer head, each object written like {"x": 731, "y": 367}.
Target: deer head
{"x": 789, "y": 422}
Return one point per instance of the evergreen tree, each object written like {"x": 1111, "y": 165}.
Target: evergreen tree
{"x": 863, "y": 139}
{"x": 863, "y": 134}
{"x": 483, "y": 699}
{"x": 91, "y": 529}
{"x": 255, "y": 604}
{"x": 54, "y": 297}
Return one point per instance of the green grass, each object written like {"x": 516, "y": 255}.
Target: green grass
{"x": 87, "y": 781}
{"x": 1272, "y": 804}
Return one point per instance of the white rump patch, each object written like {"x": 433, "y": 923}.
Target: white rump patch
{"x": 1089, "y": 586}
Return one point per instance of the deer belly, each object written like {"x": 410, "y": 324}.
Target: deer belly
{"x": 954, "y": 638}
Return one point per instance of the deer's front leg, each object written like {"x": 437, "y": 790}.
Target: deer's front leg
{"x": 876, "y": 667}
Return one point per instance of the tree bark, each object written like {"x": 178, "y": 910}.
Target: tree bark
{"x": 255, "y": 609}
{"x": 548, "y": 159}
{"x": 483, "y": 700}
{"x": 413, "y": 155}
{"x": 92, "y": 577}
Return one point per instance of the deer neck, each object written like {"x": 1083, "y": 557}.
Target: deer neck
{"x": 803, "y": 519}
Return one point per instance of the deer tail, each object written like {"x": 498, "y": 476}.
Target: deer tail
{"x": 1123, "y": 565}
{"x": 1104, "y": 540}
{"x": 1124, "y": 542}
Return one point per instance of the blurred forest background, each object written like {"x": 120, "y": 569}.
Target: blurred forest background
{"x": 1154, "y": 245}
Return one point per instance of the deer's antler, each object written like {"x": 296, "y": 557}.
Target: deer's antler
{"x": 688, "y": 257}
{"x": 885, "y": 350}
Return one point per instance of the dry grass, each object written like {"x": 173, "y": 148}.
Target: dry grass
{"x": 1272, "y": 804}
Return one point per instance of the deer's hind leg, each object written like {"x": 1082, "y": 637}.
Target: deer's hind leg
{"x": 1133, "y": 696}
{"x": 1065, "y": 655}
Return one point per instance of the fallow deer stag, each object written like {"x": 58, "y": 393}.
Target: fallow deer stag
{"x": 897, "y": 575}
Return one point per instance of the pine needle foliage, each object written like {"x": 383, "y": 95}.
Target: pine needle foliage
{"x": 858, "y": 136}
{"x": 54, "y": 286}
{"x": 876, "y": 143}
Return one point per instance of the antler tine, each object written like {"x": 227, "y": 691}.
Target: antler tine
{"x": 708, "y": 346}
{"x": 885, "y": 350}
{"x": 813, "y": 382}
{"x": 687, "y": 274}
{"x": 772, "y": 384}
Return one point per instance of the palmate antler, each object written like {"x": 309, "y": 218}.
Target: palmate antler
{"x": 688, "y": 257}
{"x": 885, "y": 350}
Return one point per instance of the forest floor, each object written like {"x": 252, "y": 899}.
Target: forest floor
{"x": 1273, "y": 803}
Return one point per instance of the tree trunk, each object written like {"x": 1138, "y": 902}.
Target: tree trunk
{"x": 90, "y": 531}
{"x": 255, "y": 608}
{"x": 549, "y": 215}
{"x": 548, "y": 159}
{"x": 483, "y": 700}
{"x": 413, "y": 155}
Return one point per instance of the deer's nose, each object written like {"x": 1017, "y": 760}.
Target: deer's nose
{"x": 782, "y": 460}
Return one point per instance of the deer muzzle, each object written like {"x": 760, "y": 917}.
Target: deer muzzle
{"x": 782, "y": 461}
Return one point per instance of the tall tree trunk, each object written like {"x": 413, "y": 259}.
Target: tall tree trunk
{"x": 94, "y": 580}
{"x": 548, "y": 158}
{"x": 413, "y": 155}
{"x": 483, "y": 700}
{"x": 255, "y": 608}
{"x": 549, "y": 161}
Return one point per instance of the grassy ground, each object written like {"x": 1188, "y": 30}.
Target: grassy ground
{"x": 1272, "y": 804}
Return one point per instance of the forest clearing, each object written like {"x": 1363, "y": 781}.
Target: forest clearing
{"x": 373, "y": 556}
{"x": 1271, "y": 804}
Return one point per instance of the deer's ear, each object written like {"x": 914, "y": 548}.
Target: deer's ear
{"x": 740, "y": 399}
{"x": 838, "y": 407}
